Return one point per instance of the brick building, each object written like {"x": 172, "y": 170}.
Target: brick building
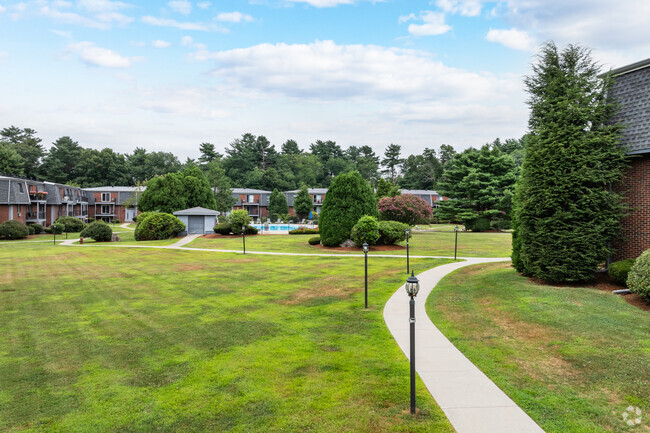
{"x": 631, "y": 91}
{"x": 109, "y": 203}
{"x": 317, "y": 195}
{"x": 254, "y": 201}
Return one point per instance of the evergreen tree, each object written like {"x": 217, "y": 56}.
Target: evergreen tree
{"x": 564, "y": 214}
{"x": 277, "y": 205}
{"x": 25, "y": 143}
{"x": 392, "y": 162}
{"x": 176, "y": 191}
{"x": 290, "y": 147}
{"x": 208, "y": 154}
{"x": 386, "y": 189}
{"x": 303, "y": 203}
{"x": 11, "y": 163}
{"x": 59, "y": 164}
{"x": 349, "y": 198}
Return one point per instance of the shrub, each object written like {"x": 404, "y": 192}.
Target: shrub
{"x": 222, "y": 228}
{"x": 56, "y": 228}
{"x": 479, "y": 225}
{"x": 405, "y": 208}
{"x": 238, "y": 219}
{"x": 38, "y": 229}
{"x": 314, "y": 241}
{"x": 72, "y": 224}
{"x": 98, "y": 230}
{"x": 348, "y": 198}
{"x": 116, "y": 221}
{"x": 303, "y": 231}
{"x": 250, "y": 230}
{"x": 158, "y": 226}
{"x": 31, "y": 230}
{"x": 277, "y": 204}
{"x": 365, "y": 230}
{"x": 638, "y": 280}
{"x": 620, "y": 270}
{"x": 391, "y": 232}
{"x": 13, "y": 229}
{"x": 143, "y": 216}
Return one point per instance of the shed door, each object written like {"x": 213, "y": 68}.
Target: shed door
{"x": 195, "y": 224}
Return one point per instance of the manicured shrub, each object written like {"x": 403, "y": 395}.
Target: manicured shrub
{"x": 222, "y": 228}
{"x": 638, "y": 280}
{"x": 38, "y": 229}
{"x": 13, "y": 229}
{"x": 366, "y": 230}
{"x": 348, "y": 198}
{"x": 238, "y": 219}
{"x": 620, "y": 270}
{"x": 56, "y": 228}
{"x": 479, "y": 225}
{"x": 72, "y": 224}
{"x": 143, "y": 215}
{"x": 116, "y": 221}
{"x": 391, "y": 232}
{"x": 98, "y": 230}
{"x": 405, "y": 208}
{"x": 31, "y": 230}
{"x": 314, "y": 241}
{"x": 250, "y": 230}
{"x": 303, "y": 231}
{"x": 158, "y": 226}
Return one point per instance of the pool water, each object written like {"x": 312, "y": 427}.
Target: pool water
{"x": 281, "y": 227}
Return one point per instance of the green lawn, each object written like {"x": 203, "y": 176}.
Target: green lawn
{"x": 420, "y": 243}
{"x": 573, "y": 358}
{"x": 143, "y": 340}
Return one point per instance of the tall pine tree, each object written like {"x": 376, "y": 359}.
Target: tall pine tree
{"x": 564, "y": 212}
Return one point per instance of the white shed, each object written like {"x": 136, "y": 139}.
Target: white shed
{"x": 198, "y": 220}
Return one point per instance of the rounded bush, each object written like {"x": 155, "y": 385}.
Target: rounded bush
{"x": 38, "y": 229}
{"x": 391, "y": 232}
{"x": 222, "y": 228}
{"x": 238, "y": 219}
{"x": 158, "y": 226}
{"x": 13, "y": 229}
{"x": 303, "y": 231}
{"x": 405, "y": 208}
{"x": 31, "y": 230}
{"x": 250, "y": 230}
{"x": 143, "y": 215}
{"x": 366, "y": 230}
{"x": 56, "y": 228}
{"x": 98, "y": 231}
{"x": 480, "y": 225}
{"x": 72, "y": 224}
{"x": 638, "y": 280}
{"x": 116, "y": 221}
{"x": 314, "y": 241}
{"x": 619, "y": 270}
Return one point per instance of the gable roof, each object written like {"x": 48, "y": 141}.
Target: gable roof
{"x": 196, "y": 211}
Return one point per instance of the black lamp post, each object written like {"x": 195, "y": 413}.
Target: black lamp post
{"x": 456, "y": 242}
{"x": 412, "y": 287}
{"x": 365, "y": 252}
{"x": 408, "y": 232}
{"x": 243, "y": 236}
{"x": 53, "y": 227}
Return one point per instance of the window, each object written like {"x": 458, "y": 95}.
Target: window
{"x": 106, "y": 209}
{"x": 20, "y": 187}
{"x": 251, "y": 198}
{"x": 106, "y": 196}
{"x": 318, "y": 198}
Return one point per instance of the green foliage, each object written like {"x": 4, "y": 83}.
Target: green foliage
{"x": 38, "y": 229}
{"x": 158, "y": 226}
{"x": 314, "y": 241}
{"x": 638, "y": 280}
{"x": 392, "y": 161}
{"x": 391, "y": 232}
{"x": 31, "y": 230}
{"x": 142, "y": 216}
{"x": 386, "y": 189}
{"x": 11, "y": 163}
{"x": 177, "y": 191}
{"x": 71, "y": 224}
{"x": 619, "y": 270}
{"x": 303, "y": 202}
{"x": 28, "y": 148}
{"x": 348, "y": 199}
{"x": 222, "y": 228}
{"x": 406, "y": 208}
{"x": 366, "y": 230}
{"x": 116, "y": 221}
{"x": 238, "y": 219}
{"x": 479, "y": 225}
{"x": 277, "y": 204}
{"x": 250, "y": 230}
{"x": 564, "y": 215}
{"x": 304, "y": 231}
{"x": 56, "y": 228}
{"x": 98, "y": 230}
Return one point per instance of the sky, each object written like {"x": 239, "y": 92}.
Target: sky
{"x": 171, "y": 75}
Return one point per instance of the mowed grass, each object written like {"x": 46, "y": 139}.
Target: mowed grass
{"x": 144, "y": 340}
{"x": 420, "y": 243}
{"x": 573, "y": 358}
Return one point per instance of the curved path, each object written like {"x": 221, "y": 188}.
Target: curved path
{"x": 471, "y": 401}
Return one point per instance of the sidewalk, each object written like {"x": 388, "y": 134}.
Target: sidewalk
{"x": 471, "y": 401}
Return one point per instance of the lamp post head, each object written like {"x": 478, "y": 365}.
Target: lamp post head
{"x": 412, "y": 285}
{"x": 456, "y": 228}
{"x": 407, "y": 231}
{"x": 365, "y": 247}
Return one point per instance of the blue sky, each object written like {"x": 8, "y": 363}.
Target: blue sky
{"x": 171, "y": 75}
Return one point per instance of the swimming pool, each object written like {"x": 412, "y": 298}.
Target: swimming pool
{"x": 281, "y": 227}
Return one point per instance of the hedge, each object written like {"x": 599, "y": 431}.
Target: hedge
{"x": 72, "y": 224}
{"x": 391, "y": 232}
{"x": 638, "y": 280}
{"x": 158, "y": 226}
{"x": 619, "y": 270}
{"x": 314, "y": 241}
{"x": 13, "y": 229}
{"x": 98, "y": 230}
{"x": 366, "y": 230}
{"x": 304, "y": 231}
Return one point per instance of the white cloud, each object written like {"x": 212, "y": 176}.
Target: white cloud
{"x": 512, "y": 38}
{"x": 67, "y": 35}
{"x": 2, "y": 9}
{"x": 324, "y": 3}
{"x": 203, "y": 5}
{"x": 234, "y": 17}
{"x": 93, "y": 55}
{"x": 433, "y": 23}
{"x": 72, "y": 18}
{"x": 468, "y": 8}
{"x": 186, "y": 41}
{"x": 181, "y": 6}
{"x": 101, "y": 18}
{"x": 101, "y": 5}
{"x": 167, "y": 22}
{"x": 160, "y": 44}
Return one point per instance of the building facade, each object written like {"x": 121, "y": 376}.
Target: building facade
{"x": 431, "y": 197}
{"x": 317, "y": 196}
{"x": 254, "y": 201}
{"x": 631, "y": 90}
{"x": 110, "y": 203}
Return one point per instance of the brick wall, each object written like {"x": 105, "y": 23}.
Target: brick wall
{"x": 635, "y": 187}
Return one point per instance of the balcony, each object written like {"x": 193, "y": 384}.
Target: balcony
{"x": 35, "y": 216}
{"x": 38, "y": 195}
{"x": 101, "y": 200}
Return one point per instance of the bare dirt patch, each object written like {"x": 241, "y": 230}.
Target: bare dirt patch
{"x": 325, "y": 287}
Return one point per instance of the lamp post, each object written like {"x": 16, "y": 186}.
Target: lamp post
{"x": 243, "y": 236}
{"x": 456, "y": 242}
{"x": 408, "y": 232}
{"x": 412, "y": 287}
{"x": 53, "y": 227}
{"x": 365, "y": 252}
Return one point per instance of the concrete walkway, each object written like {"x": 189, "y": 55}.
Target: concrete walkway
{"x": 186, "y": 240}
{"x": 126, "y": 226}
{"x": 471, "y": 401}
